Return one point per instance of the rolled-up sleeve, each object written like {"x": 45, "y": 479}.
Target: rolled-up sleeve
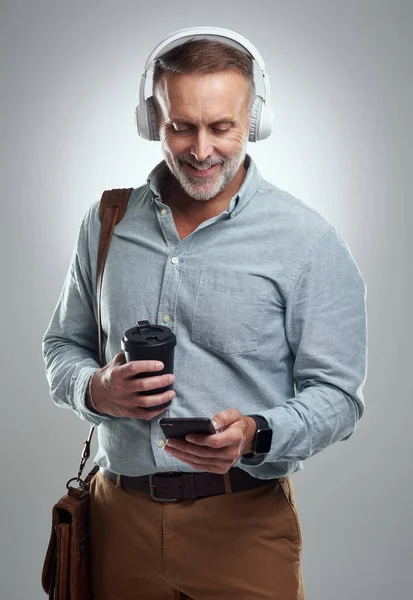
{"x": 70, "y": 343}
{"x": 326, "y": 328}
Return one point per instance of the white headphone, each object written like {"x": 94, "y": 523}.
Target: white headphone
{"x": 261, "y": 120}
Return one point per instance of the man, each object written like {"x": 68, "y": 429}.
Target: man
{"x": 268, "y": 306}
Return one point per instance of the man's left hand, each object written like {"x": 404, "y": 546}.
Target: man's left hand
{"x": 216, "y": 453}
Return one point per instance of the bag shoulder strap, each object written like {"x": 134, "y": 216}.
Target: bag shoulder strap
{"x": 112, "y": 209}
{"x": 113, "y": 206}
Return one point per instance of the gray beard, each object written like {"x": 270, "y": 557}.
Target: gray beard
{"x": 202, "y": 191}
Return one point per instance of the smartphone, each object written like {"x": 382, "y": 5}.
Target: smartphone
{"x": 179, "y": 427}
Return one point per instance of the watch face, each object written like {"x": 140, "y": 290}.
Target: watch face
{"x": 264, "y": 438}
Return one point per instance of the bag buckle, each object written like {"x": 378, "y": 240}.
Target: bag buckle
{"x": 152, "y": 487}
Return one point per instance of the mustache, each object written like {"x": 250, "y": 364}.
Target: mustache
{"x": 204, "y": 165}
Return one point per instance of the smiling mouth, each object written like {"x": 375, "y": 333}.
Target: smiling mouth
{"x": 201, "y": 172}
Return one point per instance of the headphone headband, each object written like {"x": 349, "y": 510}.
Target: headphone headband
{"x": 229, "y": 37}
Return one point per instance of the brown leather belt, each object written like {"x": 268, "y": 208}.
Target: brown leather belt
{"x": 174, "y": 486}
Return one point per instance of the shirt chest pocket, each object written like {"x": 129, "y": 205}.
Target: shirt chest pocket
{"x": 229, "y": 311}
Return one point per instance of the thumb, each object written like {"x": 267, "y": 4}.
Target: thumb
{"x": 223, "y": 419}
{"x": 119, "y": 358}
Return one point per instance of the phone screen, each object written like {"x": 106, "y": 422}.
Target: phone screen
{"x": 180, "y": 427}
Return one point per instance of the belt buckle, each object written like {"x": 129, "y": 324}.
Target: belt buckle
{"x": 152, "y": 491}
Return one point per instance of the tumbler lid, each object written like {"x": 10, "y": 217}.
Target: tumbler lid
{"x": 147, "y": 335}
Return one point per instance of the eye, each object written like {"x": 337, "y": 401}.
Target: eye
{"x": 221, "y": 127}
{"x": 216, "y": 130}
{"x": 182, "y": 128}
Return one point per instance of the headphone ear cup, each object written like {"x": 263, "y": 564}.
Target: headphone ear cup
{"x": 152, "y": 119}
{"x": 141, "y": 122}
{"x": 266, "y": 122}
{"x": 255, "y": 118}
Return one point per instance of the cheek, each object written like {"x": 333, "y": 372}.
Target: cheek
{"x": 175, "y": 145}
{"x": 230, "y": 144}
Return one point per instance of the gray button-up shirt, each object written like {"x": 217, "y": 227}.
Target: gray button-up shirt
{"x": 268, "y": 307}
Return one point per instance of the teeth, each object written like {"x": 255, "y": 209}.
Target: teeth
{"x": 199, "y": 169}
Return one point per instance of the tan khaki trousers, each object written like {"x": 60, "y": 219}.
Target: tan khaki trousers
{"x": 240, "y": 546}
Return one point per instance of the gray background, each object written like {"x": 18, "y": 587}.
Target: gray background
{"x": 341, "y": 75}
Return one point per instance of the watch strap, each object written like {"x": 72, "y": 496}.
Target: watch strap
{"x": 261, "y": 423}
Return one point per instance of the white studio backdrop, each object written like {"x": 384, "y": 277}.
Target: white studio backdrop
{"x": 342, "y": 91}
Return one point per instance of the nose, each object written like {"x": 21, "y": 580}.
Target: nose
{"x": 201, "y": 146}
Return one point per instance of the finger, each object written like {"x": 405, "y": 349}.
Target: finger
{"x": 199, "y": 439}
{"x": 229, "y": 437}
{"x": 119, "y": 358}
{"x": 133, "y": 367}
{"x": 199, "y": 452}
{"x": 144, "y": 384}
{"x": 190, "y": 449}
{"x": 225, "y": 418}
{"x": 206, "y": 466}
{"x": 136, "y": 412}
{"x": 197, "y": 460}
{"x": 153, "y": 399}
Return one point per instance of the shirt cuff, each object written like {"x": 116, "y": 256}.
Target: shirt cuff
{"x": 81, "y": 386}
{"x": 253, "y": 462}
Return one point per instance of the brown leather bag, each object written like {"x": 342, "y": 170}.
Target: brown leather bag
{"x": 66, "y": 568}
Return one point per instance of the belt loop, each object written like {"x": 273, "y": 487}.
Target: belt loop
{"x": 227, "y": 483}
{"x": 188, "y": 485}
{"x": 119, "y": 481}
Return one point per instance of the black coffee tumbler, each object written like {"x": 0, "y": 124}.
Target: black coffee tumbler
{"x": 151, "y": 342}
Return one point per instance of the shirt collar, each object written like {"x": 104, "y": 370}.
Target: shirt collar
{"x": 248, "y": 188}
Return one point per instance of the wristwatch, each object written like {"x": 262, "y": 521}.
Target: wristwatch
{"x": 261, "y": 444}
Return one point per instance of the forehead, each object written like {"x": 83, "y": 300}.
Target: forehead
{"x": 186, "y": 95}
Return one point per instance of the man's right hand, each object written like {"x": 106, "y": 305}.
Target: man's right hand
{"x": 116, "y": 392}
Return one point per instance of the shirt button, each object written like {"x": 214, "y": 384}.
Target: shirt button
{"x": 163, "y": 212}
{"x": 166, "y": 318}
{"x": 175, "y": 260}
{"x": 160, "y": 443}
